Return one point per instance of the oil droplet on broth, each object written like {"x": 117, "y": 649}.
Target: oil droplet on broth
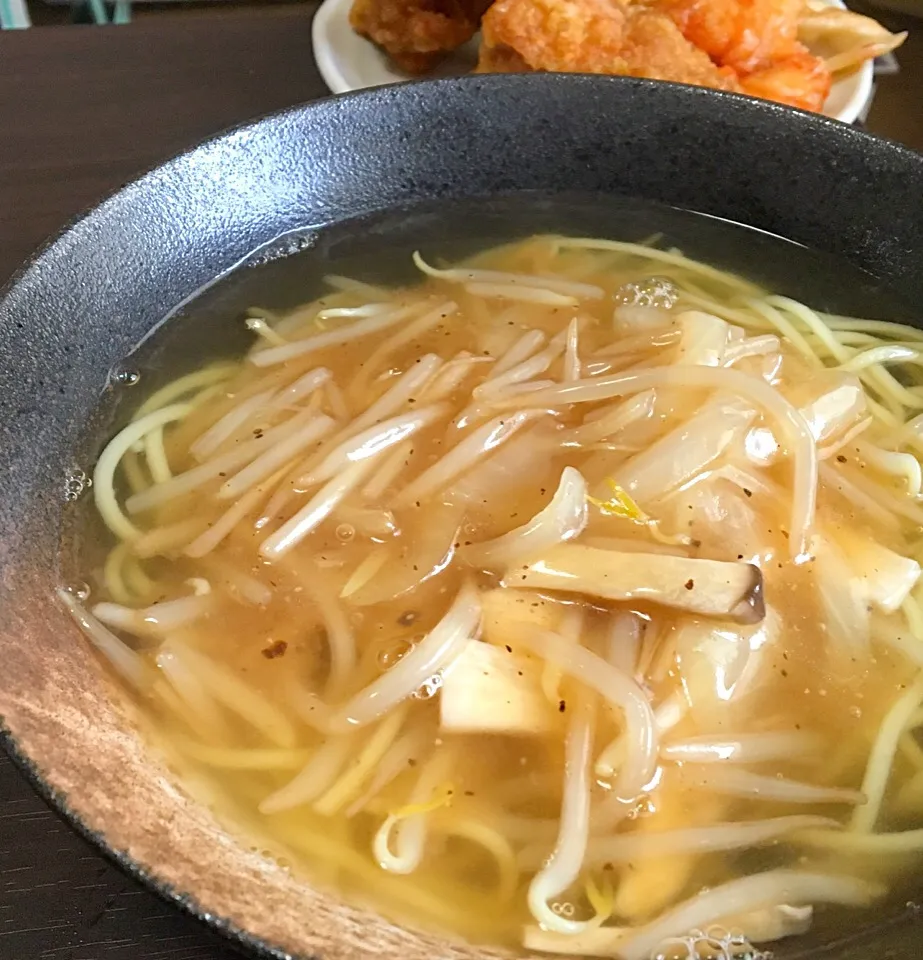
{"x": 125, "y": 377}
{"x": 395, "y": 652}
{"x": 79, "y": 590}
{"x": 76, "y": 482}
{"x": 345, "y": 532}
{"x": 391, "y": 624}
{"x": 429, "y": 688}
{"x": 658, "y": 292}
{"x": 716, "y": 943}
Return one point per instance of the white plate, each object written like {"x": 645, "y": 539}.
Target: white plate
{"x": 349, "y": 62}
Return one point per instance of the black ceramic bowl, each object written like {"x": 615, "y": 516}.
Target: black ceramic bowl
{"x": 72, "y": 313}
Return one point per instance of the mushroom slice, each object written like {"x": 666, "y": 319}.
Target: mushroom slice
{"x": 713, "y": 588}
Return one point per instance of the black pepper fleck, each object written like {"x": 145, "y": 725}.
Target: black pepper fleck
{"x": 275, "y": 649}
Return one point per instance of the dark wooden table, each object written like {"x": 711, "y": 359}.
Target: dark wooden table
{"x": 82, "y": 110}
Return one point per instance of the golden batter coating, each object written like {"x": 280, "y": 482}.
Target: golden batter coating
{"x": 417, "y": 34}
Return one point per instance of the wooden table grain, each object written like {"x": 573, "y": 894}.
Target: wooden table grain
{"x": 82, "y": 110}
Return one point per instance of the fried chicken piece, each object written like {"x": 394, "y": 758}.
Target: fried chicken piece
{"x": 572, "y": 36}
{"x": 709, "y": 24}
{"x": 500, "y": 59}
{"x": 800, "y": 80}
{"x": 593, "y": 36}
{"x": 655, "y": 48}
{"x": 759, "y": 40}
{"x": 767, "y": 31}
{"x": 748, "y": 35}
{"x": 417, "y": 34}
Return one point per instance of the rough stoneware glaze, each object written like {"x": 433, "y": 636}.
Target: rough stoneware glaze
{"x": 72, "y": 313}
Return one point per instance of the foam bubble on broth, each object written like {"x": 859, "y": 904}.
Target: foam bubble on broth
{"x": 518, "y": 570}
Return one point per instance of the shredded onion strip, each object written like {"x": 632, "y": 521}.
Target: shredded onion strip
{"x": 616, "y": 689}
{"x": 428, "y": 658}
{"x": 464, "y": 455}
{"x": 316, "y": 510}
{"x": 340, "y": 489}
{"x": 563, "y": 519}
{"x": 570, "y": 849}
{"x": 629, "y": 847}
{"x": 122, "y": 658}
{"x": 742, "y": 783}
{"x": 329, "y": 338}
{"x": 798, "y": 435}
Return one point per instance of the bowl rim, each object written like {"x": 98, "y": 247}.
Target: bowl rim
{"x": 186, "y": 903}
{"x": 756, "y": 105}
{"x": 237, "y": 936}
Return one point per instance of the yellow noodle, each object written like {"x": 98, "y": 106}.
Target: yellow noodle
{"x": 351, "y": 781}
{"x": 244, "y": 697}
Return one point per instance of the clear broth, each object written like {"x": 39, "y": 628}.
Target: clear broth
{"x": 456, "y": 890}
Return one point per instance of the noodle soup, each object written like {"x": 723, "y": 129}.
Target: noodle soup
{"x": 566, "y": 596}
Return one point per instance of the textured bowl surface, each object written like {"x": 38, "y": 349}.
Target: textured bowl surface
{"x": 87, "y": 298}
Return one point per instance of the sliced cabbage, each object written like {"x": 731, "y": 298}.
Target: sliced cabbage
{"x": 718, "y": 513}
{"x": 843, "y": 602}
{"x": 506, "y": 611}
{"x": 412, "y": 561}
{"x": 884, "y": 578}
{"x": 720, "y": 664}
{"x": 492, "y": 689}
{"x": 564, "y": 518}
{"x": 685, "y": 451}
{"x": 828, "y": 415}
{"x": 704, "y": 339}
